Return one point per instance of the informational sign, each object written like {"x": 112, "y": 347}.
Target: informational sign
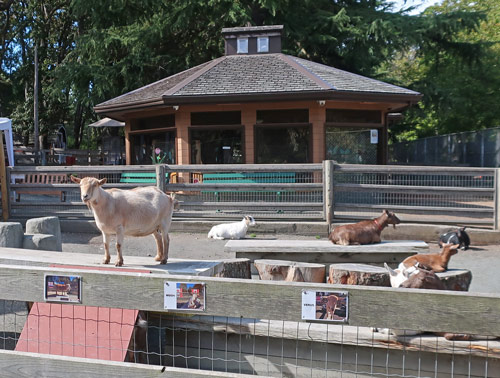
{"x": 184, "y": 296}
{"x": 373, "y": 136}
{"x": 325, "y": 306}
{"x": 63, "y": 289}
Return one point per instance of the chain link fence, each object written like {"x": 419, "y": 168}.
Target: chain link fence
{"x": 469, "y": 149}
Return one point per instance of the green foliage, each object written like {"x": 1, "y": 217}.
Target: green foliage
{"x": 455, "y": 66}
{"x": 93, "y": 50}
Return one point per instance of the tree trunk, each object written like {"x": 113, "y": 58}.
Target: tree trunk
{"x": 370, "y": 275}
{"x": 77, "y": 124}
{"x": 280, "y": 270}
{"x": 358, "y": 274}
{"x": 235, "y": 268}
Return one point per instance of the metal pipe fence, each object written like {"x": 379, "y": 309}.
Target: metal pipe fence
{"x": 331, "y": 192}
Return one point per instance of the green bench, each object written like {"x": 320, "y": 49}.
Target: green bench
{"x": 142, "y": 177}
{"x": 248, "y": 178}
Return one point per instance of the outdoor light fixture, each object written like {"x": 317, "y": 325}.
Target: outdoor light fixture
{"x": 321, "y": 102}
{"x": 175, "y": 107}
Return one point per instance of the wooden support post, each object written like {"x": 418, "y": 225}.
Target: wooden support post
{"x": 496, "y": 213}
{"x": 3, "y": 182}
{"x": 160, "y": 177}
{"x": 328, "y": 198}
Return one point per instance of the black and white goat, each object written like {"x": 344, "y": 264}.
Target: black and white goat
{"x": 458, "y": 236}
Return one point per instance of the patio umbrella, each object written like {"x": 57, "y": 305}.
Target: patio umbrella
{"x": 107, "y": 122}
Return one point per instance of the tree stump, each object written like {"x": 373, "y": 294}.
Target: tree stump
{"x": 456, "y": 279}
{"x": 358, "y": 274}
{"x": 235, "y": 268}
{"x": 292, "y": 271}
{"x": 370, "y": 275}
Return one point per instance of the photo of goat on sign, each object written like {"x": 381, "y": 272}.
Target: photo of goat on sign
{"x": 331, "y": 306}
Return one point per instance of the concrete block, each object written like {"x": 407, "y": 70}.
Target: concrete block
{"x": 45, "y": 225}
{"x": 42, "y": 242}
{"x": 11, "y": 234}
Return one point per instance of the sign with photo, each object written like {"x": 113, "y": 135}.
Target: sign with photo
{"x": 373, "y": 136}
{"x": 325, "y": 306}
{"x": 188, "y": 296}
{"x": 63, "y": 289}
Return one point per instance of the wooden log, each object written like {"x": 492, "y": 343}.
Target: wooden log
{"x": 235, "y": 268}
{"x": 456, "y": 279}
{"x": 291, "y": 271}
{"x": 358, "y": 274}
{"x": 370, "y": 275}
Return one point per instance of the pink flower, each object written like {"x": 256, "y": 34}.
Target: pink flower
{"x": 157, "y": 151}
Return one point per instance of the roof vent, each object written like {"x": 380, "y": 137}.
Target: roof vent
{"x": 253, "y": 40}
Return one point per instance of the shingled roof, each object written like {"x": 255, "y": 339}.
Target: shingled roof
{"x": 265, "y": 77}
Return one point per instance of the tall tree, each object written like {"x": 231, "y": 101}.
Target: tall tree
{"x": 459, "y": 74}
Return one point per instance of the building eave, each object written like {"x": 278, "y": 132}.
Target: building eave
{"x": 408, "y": 99}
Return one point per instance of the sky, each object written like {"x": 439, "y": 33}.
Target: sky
{"x": 421, "y": 4}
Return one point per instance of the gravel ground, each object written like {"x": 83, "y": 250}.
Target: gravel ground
{"x": 483, "y": 261}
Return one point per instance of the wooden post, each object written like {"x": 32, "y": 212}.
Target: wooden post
{"x": 160, "y": 177}
{"x": 3, "y": 182}
{"x": 35, "y": 107}
{"x": 328, "y": 197}
{"x": 496, "y": 213}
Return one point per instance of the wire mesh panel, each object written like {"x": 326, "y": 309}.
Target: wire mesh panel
{"x": 474, "y": 149}
{"x": 241, "y": 345}
{"x": 439, "y": 196}
{"x": 294, "y": 191}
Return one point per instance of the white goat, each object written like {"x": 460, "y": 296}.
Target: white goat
{"x": 135, "y": 212}
{"x": 236, "y": 230}
{"x": 400, "y": 275}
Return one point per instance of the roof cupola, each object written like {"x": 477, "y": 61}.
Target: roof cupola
{"x": 252, "y": 40}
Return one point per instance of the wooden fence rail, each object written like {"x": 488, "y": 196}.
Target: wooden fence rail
{"x": 249, "y": 309}
{"x": 328, "y": 191}
{"x": 428, "y": 310}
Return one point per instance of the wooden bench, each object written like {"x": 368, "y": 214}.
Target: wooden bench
{"x": 45, "y": 179}
{"x": 247, "y": 178}
{"x": 323, "y": 251}
{"x": 145, "y": 177}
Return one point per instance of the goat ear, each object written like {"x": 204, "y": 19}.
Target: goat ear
{"x": 392, "y": 272}
{"x": 75, "y": 179}
{"x": 102, "y": 181}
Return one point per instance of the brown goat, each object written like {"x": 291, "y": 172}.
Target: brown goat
{"x": 438, "y": 262}
{"x": 425, "y": 279}
{"x": 331, "y": 306}
{"x": 364, "y": 232}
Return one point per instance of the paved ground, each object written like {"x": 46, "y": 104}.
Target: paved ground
{"x": 483, "y": 261}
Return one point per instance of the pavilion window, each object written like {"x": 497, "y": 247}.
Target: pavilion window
{"x": 216, "y": 138}
{"x": 242, "y": 46}
{"x": 147, "y": 147}
{"x": 283, "y": 136}
{"x": 348, "y": 135}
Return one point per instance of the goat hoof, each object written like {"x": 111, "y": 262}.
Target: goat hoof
{"x": 105, "y": 261}
{"x": 163, "y": 262}
{"x": 158, "y": 258}
{"x": 119, "y": 263}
